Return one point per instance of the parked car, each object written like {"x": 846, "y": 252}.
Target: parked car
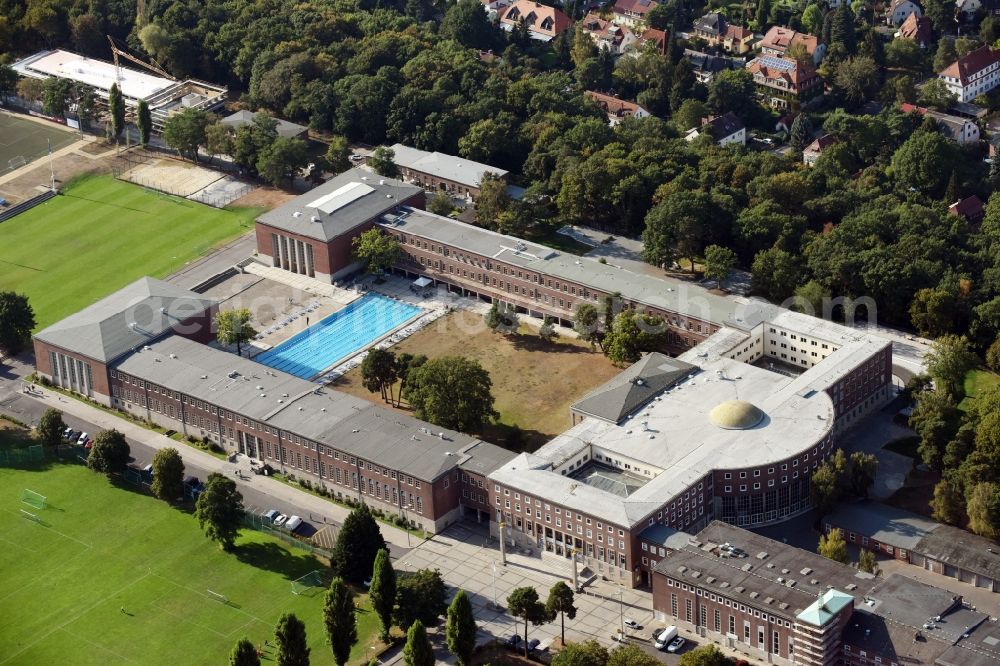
{"x": 632, "y": 624}
{"x": 512, "y": 641}
{"x": 676, "y": 644}
{"x": 533, "y": 643}
{"x": 194, "y": 482}
{"x": 67, "y": 432}
{"x": 367, "y": 583}
{"x": 73, "y": 435}
{"x": 271, "y": 514}
{"x": 82, "y": 438}
{"x": 89, "y": 442}
{"x": 667, "y": 635}
{"x": 147, "y": 472}
{"x": 293, "y": 523}
{"x": 280, "y": 520}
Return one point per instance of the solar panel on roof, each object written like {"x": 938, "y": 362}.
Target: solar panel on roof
{"x": 777, "y": 63}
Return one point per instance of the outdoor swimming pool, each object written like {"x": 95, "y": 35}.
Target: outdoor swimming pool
{"x": 346, "y": 331}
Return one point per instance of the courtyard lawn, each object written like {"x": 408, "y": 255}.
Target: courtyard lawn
{"x": 101, "y": 234}
{"x": 113, "y": 576}
{"x": 976, "y": 382}
{"x": 534, "y": 382}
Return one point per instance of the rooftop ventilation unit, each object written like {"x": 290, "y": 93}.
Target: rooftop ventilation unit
{"x": 381, "y": 181}
{"x": 173, "y": 356}
{"x": 297, "y": 213}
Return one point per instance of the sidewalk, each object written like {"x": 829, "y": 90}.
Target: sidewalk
{"x": 309, "y": 504}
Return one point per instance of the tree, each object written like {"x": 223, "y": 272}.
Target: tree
{"x": 116, "y": 105}
{"x": 383, "y": 161}
{"x": 689, "y": 114}
{"x": 493, "y": 200}
{"x": 933, "y": 311}
{"x": 590, "y": 653}
{"x": 338, "y": 154}
{"x": 219, "y": 510}
{"x": 379, "y": 371}
{"x": 948, "y": 361}
{"x": 382, "y": 592}
{"x": 832, "y": 546}
{"x": 983, "y": 508}
{"x": 282, "y": 159}
{"x": 185, "y": 131}
{"x": 501, "y": 319}
{"x": 218, "y": 140}
{"x": 109, "y": 453}
{"x": 948, "y": 503}
{"x": 857, "y": 79}
{"x": 244, "y": 654}
{"x": 453, "y": 392}
{"x": 935, "y": 420}
{"x": 168, "y": 474}
{"x": 144, "y": 122}
{"x": 460, "y": 631}
{"x": 290, "y": 637}
{"x": 358, "y": 543}
{"x": 862, "y": 471}
{"x": 812, "y": 20}
{"x": 523, "y": 603}
{"x": 17, "y": 318}
{"x": 937, "y": 95}
{"x": 823, "y": 488}
{"x": 718, "y": 262}
{"x": 56, "y": 95}
{"x": 706, "y": 655}
{"x": 547, "y": 331}
{"x": 377, "y": 250}
{"x": 811, "y": 298}
{"x": 868, "y": 563}
{"x": 560, "y": 602}
{"x": 761, "y": 14}
{"x": 466, "y": 23}
{"x": 732, "y": 90}
{"x": 339, "y": 620}
{"x": 776, "y": 273}
{"x": 51, "y": 428}
{"x": 418, "y": 650}
{"x": 421, "y": 595}
{"x": 30, "y": 90}
{"x": 440, "y": 204}
{"x": 630, "y": 655}
{"x": 233, "y": 327}
{"x": 585, "y": 323}
{"x": 801, "y": 132}
{"x": 621, "y": 343}
{"x": 842, "y": 35}
{"x": 993, "y": 356}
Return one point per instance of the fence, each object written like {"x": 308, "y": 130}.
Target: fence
{"x": 128, "y": 160}
{"x": 28, "y": 454}
{"x": 258, "y": 522}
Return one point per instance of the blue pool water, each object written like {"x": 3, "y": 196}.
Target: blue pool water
{"x": 315, "y": 349}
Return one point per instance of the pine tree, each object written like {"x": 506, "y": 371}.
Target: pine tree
{"x": 800, "y": 135}
{"x": 763, "y": 11}
{"x": 383, "y": 592}
{"x": 244, "y": 654}
{"x": 842, "y": 31}
{"x": 357, "y": 545}
{"x": 417, "y": 651}
{"x": 116, "y": 104}
{"x": 461, "y": 629}
{"x": 339, "y": 620}
{"x": 144, "y": 121}
{"x": 290, "y": 636}
{"x": 952, "y": 193}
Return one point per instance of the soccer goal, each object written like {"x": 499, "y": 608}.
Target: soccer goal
{"x": 30, "y": 516}
{"x": 221, "y": 598}
{"x": 310, "y": 583}
{"x": 31, "y": 498}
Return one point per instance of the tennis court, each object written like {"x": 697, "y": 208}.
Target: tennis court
{"x": 22, "y": 140}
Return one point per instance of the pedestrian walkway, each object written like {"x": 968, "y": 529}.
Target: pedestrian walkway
{"x": 307, "y": 503}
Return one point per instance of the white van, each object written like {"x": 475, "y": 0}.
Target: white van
{"x": 664, "y": 637}
{"x": 292, "y": 523}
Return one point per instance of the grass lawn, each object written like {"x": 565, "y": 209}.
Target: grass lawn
{"x": 102, "y": 548}
{"x": 102, "y": 234}
{"x": 976, "y": 382}
{"x": 534, "y": 382}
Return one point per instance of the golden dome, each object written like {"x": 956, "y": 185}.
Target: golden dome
{"x": 735, "y": 415}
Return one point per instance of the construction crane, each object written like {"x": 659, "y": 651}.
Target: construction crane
{"x": 155, "y": 67}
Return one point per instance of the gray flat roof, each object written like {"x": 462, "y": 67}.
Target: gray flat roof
{"x": 763, "y": 578}
{"x": 449, "y": 167}
{"x": 130, "y": 317}
{"x": 962, "y": 549}
{"x": 658, "y": 292}
{"x": 665, "y": 536}
{"x": 339, "y": 205}
{"x": 633, "y": 387}
{"x": 284, "y": 128}
{"x": 882, "y": 522}
{"x": 349, "y": 424}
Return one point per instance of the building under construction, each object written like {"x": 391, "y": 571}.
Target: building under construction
{"x": 164, "y": 94}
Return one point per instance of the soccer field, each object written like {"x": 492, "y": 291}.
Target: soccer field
{"x": 28, "y": 139}
{"x": 103, "y": 548}
{"x": 101, "y": 234}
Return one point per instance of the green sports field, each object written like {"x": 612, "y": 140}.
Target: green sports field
{"x": 101, "y": 234}
{"x": 103, "y": 548}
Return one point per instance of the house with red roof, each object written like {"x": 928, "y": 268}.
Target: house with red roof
{"x": 632, "y": 13}
{"x": 607, "y": 35}
{"x": 811, "y": 153}
{"x": 917, "y": 28}
{"x": 617, "y": 109}
{"x": 716, "y": 31}
{"x": 962, "y": 131}
{"x": 543, "y": 22}
{"x": 779, "y": 40}
{"x": 784, "y": 83}
{"x": 971, "y": 208}
{"x": 974, "y": 75}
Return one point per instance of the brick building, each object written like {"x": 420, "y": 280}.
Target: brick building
{"x": 437, "y": 172}
{"x": 311, "y": 234}
{"x": 784, "y": 83}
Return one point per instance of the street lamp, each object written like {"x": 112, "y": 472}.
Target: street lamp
{"x": 621, "y": 610}
{"x": 494, "y": 584}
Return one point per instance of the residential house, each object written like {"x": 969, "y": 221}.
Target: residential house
{"x": 962, "y": 131}
{"x": 652, "y": 37}
{"x": 714, "y": 29}
{"x": 971, "y": 208}
{"x": 812, "y": 152}
{"x": 705, "y": 65}
{"x": 974, "y": 75}
{"x": 607, "y": 35}
{"x": 898, "y": 10}
{"x": 784, "y": 83}
{"x": 632, "y": 13}
{"x": 493, "y": 8}
{"x": 724, "y": 129}
{"x": 966, "y": 10}
{"x": 617, "y": 109}
{"x": 437, "y": 172}
{"x": 779, "y": 40}
{"x": 917, "y": 28}
{"x": 543, "y": 22}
